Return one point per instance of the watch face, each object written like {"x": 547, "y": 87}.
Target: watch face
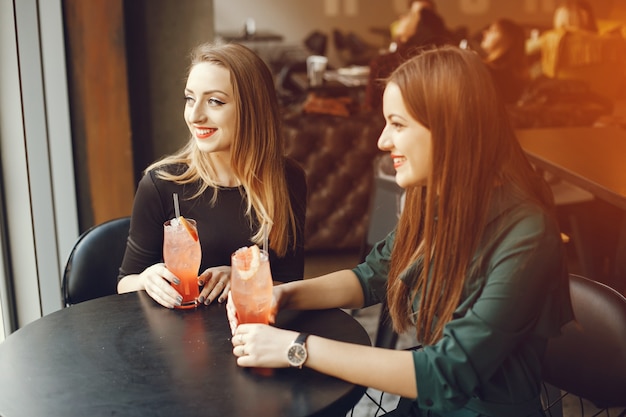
{"x": 296, "y": 355}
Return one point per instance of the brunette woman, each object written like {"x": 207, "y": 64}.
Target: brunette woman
{"x": 476, "y": 264}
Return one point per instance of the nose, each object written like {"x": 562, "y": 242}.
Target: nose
{"x": 384, "y": 141}
{"x": 197, "y": 114}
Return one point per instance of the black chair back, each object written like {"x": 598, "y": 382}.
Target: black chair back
{"x": 93, "y": 265}
{"x": 384, "y": 211}
{"x": 589, "y": 358}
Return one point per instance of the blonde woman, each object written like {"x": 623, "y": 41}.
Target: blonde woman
{"x": 231, "y": 177}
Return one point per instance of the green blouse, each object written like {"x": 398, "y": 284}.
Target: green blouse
{"x": 488, "y": 361}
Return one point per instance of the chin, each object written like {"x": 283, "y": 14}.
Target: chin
{"x": 408, "y": 182}
{"x": 402, "y": 182}
{"x": 204, "y": 145}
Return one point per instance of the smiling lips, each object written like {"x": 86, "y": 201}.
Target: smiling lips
{"x": 204, "y": 133}
{"x": 397, "y": 160}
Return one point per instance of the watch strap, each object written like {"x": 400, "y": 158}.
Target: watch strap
{"x": 297, "y": 348}
{"x": 301, "y": 339}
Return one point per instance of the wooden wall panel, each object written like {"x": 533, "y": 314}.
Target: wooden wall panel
{"x": 96, "y": 57}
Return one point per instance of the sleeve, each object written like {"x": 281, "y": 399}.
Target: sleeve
{"x": 373, "y": 272}
{"x": 291, "y": 266}
{"x": 496, "y": 319}
{"x": 145, "y": 240}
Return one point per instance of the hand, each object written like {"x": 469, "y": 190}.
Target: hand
{"x": 216, "y": 282}
{"x": 231, "y": 314}
{"x": 231, "y": 311}
{"x": 261, "y": 345}
{"x": 156, "y": 280}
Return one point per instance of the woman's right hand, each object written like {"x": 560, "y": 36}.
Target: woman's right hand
{"x": 156, "y": 280}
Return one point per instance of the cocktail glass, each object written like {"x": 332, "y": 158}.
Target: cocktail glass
{"x": 182, "y": 256}
{"x": 252, "y": 295}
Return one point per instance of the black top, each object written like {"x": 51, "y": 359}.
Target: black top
{"x": 222, "y": 228}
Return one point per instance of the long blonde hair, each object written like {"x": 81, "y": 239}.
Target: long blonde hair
{"x": 257, "y": 157}
{"x": 450, "y": 92}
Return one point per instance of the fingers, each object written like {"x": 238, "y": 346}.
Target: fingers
{"x": 156, "y": 281}
{"x": 244, "y": 358}
{"x": 260, "y": 345}
{"x": 214, "y": 290}
{"x": 231, "y": 313}
{"x": 216, "y": 282}
{"x": 239, "y": 345}
{"x": 224, "y": 295}
{"x": 276, "y": 302}
{"x": 164, "y": 273}
{"x": 244, "y": 348}
{"x": 239, "y": 350}
{"x": 273, "y": 311}
{"x": 238, "y": 340}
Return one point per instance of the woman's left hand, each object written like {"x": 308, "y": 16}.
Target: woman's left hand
{"x": 262, "y": 345}
{"x": 216, "y": 284}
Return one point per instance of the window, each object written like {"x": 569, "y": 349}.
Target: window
{"x": 39, "y": 218}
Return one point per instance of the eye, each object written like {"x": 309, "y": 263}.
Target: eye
{"x": 215, "y": 102}
{"x": 189, "y": 100}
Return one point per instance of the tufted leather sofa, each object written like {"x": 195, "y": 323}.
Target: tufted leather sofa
{"x": 337, "y": 154}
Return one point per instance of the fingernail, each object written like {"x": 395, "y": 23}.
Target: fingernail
{"x": 179, "y": 300}
{"x": 207, "y": 301}
{"x": 176, "y": 281}
{"x": 220, "y": 300}
{"x": 201, "y": 299}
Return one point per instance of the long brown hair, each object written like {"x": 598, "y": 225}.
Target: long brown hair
{"x": 450, "y": 92}
{"x": 257, "y": 155}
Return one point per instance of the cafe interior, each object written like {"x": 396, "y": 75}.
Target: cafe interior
{"x": 91, "y": 95}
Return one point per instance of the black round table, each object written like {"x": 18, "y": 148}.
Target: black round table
{"x": 124, "y": 355}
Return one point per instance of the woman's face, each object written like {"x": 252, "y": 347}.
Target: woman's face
{"x": 210, "y": 108}
{"x": 408, "y": 142}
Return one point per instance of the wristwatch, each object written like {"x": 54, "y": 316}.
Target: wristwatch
{"x": 297, "y": 354}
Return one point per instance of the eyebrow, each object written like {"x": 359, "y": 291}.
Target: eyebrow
{"x": 206, "y": 93}
{"x": 397, "y": 116}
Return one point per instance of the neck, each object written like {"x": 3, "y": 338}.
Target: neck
{"x": 223, "y": 174}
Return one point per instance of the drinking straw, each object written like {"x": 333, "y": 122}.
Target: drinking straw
{"x": 176, "y": 207}
{"x": 265, "y": 238}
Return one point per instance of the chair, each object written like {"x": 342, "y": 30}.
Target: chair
{"x": 385, "y": 206}
{"x": 572, "y": 205}
{"x": 588, "y": 360}
{"x": 93, "y": 265}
